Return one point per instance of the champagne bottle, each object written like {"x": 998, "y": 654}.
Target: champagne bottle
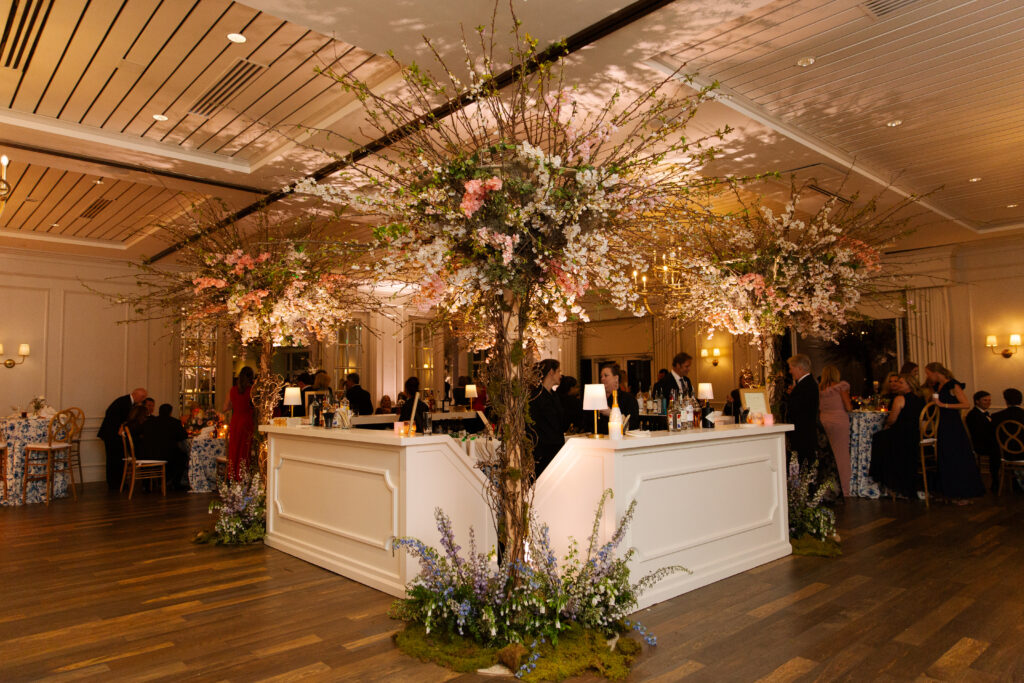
{"x": 615, "y": 415}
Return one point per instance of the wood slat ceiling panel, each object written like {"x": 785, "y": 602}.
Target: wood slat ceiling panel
{"x": 122, "y": 195}
{"x": 47, "y": 213}
{"x": 69, "y": 208}
{"x": 171, "y": 206}
{"x": 84, "y": 75}
{"x": 288, "y": 47}
{"x": 110, "y": 191}
{"x": 306, "y": 104}
{"x": 26, "y": 218}
{"x": 158, "y": 30}
{"x": 144, "y": 206}
{"x": 193, "y": 74}
{"x": 133, "y": 201}
{"x": 275, "y": 86}
{"x": 60, "y": 25}
{"x": 24, "y": 179}
{"x": 181, "y": 125}
{"x": 186, "y": 38}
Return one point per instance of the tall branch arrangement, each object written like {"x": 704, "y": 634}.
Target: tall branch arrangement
{"x": 271, "y": 282}
{"x": 505, "y": 213}
{"x": 756, "y": 272}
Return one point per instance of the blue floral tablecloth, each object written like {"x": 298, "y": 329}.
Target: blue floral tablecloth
{"x": 18, "y": 433}
{"x": 863, "y": 425}
{"x": 202, "y": 463}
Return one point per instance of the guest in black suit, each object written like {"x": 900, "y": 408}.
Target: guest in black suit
{"x": 983, "y": 433}
{"x": 628, "y": 406}
{"x": 1013, "y": 411}
{"x": 166, "y": 439}
{"x": 568, "y": 393}
{"x": 358, "y": 398}
{"x": 802, "y": 410}
{"x": 412, "y": 387}
{"x": 546, "y": 416}
{"x": 677, "y": 380}
{"x": 116, "y": 415}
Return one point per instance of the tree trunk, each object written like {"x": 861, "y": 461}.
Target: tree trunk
{"x": 265, "y": 393}
{"x": 767, "y": 369}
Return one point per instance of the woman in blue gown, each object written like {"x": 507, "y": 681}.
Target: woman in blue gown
{"x": 958, "y": 478}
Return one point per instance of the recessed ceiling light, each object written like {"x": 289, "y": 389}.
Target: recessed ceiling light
{"x": 894, "y": 123}
{"x": 98, "y": 181}
{"x": 975, "y": 179}
{"x": 805, "y": 61}
{"x": 54, "y": 225}
{"x": 159, "y": 117}
{"x": 236, "y": 37}
{"x": 1011, "y": 206}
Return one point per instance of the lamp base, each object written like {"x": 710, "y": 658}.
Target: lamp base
{"x": 597, "y": 436}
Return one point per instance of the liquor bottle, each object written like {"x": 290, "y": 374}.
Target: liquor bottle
{"x": 687, "y": 411}
{"x": 314, "y": 412}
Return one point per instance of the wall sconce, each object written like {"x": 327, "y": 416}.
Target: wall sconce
{"x": 23, "y": 351}
{"x": 991, "y": 343}
{"x": 5, "y": 191}
{"x": 715, "y": 354}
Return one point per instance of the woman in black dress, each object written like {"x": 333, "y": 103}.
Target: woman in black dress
{"x": 568, "y": 393}
{"x": 546, "y": 420}
{"x": 894, "y": 450}
{"x": 958, "y": 477}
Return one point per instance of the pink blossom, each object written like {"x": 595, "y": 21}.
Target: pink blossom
{"x": 202, "y": 283}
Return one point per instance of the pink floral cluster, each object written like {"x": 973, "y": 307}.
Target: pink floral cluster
{"x": 755, "y": 283}
{"x": 867, "y": 256}
{"x": 254, "y": 298}
{"x": 242, "y": 261}
{"x": 476, "y": 193}
{"x": 202, "y": 283}
{"x": 506, "y": 244}
{"x": 565, "y": 280}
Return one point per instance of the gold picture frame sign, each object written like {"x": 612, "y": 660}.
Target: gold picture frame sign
{"x": 754, "y": 400}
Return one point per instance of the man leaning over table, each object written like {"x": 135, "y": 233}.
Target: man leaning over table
{"x": 117, "y": 413}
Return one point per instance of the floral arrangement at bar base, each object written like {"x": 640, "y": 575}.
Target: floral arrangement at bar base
{"x": 812, "y": 524}
{"x": 241, "y": 510}
{"x": 553, "y": 620}
{"x": 505, "y": 210}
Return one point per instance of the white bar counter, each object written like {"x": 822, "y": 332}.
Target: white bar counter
{"x": 712, "y": 500}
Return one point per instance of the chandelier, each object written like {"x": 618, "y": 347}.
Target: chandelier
{"x": 5, "y": 187}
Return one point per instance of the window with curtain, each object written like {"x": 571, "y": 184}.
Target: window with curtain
{"x": 423, "y": 353}
{"x": 349, "y": 357}
{"x": 198, "y": 363}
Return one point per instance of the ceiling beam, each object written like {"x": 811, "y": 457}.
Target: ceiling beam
{"x": 590, "y": 34}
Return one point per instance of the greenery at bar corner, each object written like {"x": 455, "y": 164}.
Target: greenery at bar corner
{"x": 241, "y": 511}
{"x": 812, "y": 524}
{"x": 466, "y": 613}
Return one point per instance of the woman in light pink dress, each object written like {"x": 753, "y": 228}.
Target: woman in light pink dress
{"x": 834, "y": 406}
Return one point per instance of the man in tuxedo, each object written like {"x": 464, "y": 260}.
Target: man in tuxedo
{"x": 983, "y": 433}
{"x": 802, "y": 411}
{"x": 677, "y": 380}
{"x": 358, "y": 398}
{"x": 166, "y": 439}
{"x": 1013, "y": 411}
{"x": 116, "y": 415}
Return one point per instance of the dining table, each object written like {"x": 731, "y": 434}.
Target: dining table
{"x": 864, "y": 424}
{"x": 202, "y": 463}
{"x": 18, "y": 432}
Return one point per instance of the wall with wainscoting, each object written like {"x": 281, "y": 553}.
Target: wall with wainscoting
{"x": 82, "y": 355}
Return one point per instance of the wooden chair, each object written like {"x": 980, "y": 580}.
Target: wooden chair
{"x": 75, "y": 455}
{"x": 928, "y": 446}
{"x": 222, "y": 468}
{"x": 43, "y": 460}
{"x": 1010, "y": 437}
{"x": 140, "y": 469}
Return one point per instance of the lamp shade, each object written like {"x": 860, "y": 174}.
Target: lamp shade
{"x": 703, "y": 353}
{"x": 292, "y": 396}
{"x": 1014, "y": 340}
{"x": 704, "y": 391}
{"x": 990, "y": 341}
{"x": 716, "y": 352}
{"x": 1, "y": 349}
{"x": 470, "y": 391}
{"x": 24, "y": 351}
{"x": 593, "y": 397}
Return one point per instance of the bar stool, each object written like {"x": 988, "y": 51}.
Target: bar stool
{"x": 43, "y": 459}
{"x": 140, "y": 469}
{"x": 928, "y": 446}
{"x": 75, "y": 454}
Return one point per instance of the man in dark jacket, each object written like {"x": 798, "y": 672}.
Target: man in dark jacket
{"x": 677, "y": 380}
{"x": 983, "y": 433}
{"x": 117, "y": 413}
{"x": 165, "y": 439}
{"x": 546, "y": 416}
{"x": 802, "y": 411}
{"x": 358, "y": 398}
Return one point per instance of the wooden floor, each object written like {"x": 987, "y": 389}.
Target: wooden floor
{"x": 107, "y": 589}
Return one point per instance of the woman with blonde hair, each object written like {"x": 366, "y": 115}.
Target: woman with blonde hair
{"x": 834, "y": 413}
{"x": 894, "y": 453}
{"x": 958, "y": 477}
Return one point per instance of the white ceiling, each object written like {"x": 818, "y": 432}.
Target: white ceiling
{"x": 80, "y": 82}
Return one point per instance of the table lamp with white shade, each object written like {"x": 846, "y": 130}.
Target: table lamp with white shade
{"x": 705, "y": 392}
{"x": 293, "y": 397}
{"x": 470, "y": 394}
{"x": 594, "y": 399}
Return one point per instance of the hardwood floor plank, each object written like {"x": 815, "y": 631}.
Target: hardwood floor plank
{"x": 957, "y": 658}
{"x": 934, "y": 620}
{"x": 790, "y": 671}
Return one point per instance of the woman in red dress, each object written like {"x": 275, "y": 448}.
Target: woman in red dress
{"x": 240, "y": 432}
